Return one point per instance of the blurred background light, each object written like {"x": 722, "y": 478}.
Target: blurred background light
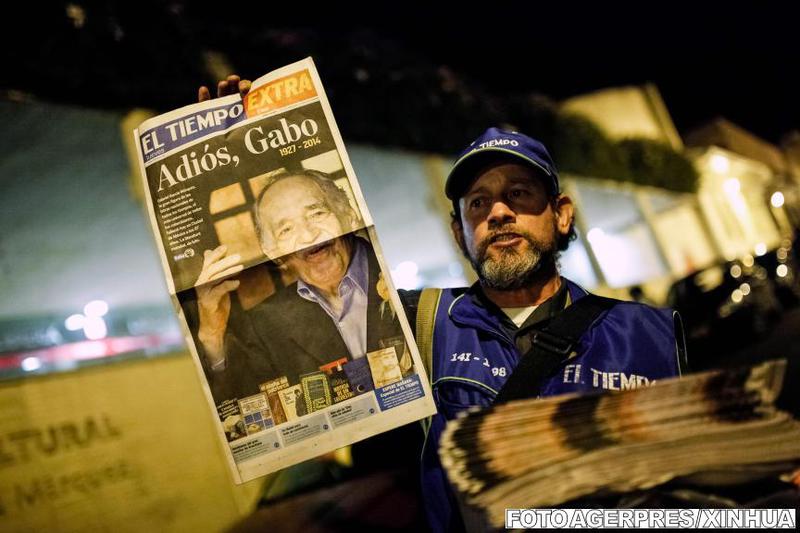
{"x": 405, "y": 276}
{"x": 76, "y": 14}
{"x": 777, "y": 199}
{"x": 95, "y": 328}
{"x": 720, "y": 164}
{"x": 732, "y": 186}
{"x": 88, "y": 350}
{"x": 74, "y": 322}
{"x": 745, "y": 288}
{"x": 595, "y": 236}
{"x": 29, "y": 364}
{"x": 95, "y": 308}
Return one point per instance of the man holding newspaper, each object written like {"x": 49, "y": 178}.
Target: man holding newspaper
{"x": 522, "y": 329}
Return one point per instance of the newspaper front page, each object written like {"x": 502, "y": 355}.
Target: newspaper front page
{"x": 276, "y": 273}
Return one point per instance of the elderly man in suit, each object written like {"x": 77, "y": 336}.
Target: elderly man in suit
{"x": 333, "y": 312}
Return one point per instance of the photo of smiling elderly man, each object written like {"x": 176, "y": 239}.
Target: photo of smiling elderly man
{"x": 329, "y": 319}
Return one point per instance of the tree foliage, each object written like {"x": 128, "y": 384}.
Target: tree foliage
{"x": 657, "y": 164}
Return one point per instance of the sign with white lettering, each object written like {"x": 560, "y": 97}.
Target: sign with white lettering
{"x": 125, "y": 447}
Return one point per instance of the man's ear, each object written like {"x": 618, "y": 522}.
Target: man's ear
{"x": 565, "y": 213}
{"x": 458, "y": 234}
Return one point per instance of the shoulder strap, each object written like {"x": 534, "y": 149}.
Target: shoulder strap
{"x": 427, "y": 306}
{"x": 426, "y": 319}
{"x": 680, "y": 344}
{"x": 552, "y": 346}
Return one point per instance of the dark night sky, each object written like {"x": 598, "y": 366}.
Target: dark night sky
{"x": 738, "y": 61}
{"x": 731, "y": 61}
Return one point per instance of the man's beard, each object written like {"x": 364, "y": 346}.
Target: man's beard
{"x": 512, "y": 268}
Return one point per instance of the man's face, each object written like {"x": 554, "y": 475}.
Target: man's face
{"x": 303, "y": 225}
{"x": 509, "y": 227}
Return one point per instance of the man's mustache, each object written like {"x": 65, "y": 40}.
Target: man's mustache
{"x": 503, "y": 232}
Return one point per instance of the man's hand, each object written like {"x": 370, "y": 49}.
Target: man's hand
{"x": 214, "y": 299}
{"x": 226, "y": 87}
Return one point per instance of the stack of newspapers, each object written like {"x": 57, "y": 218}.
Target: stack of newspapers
{"x": 544, "y": 452}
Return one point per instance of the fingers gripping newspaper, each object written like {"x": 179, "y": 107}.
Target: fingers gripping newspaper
{"x": 276, "y": 273}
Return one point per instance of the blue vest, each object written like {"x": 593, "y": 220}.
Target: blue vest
{"x": 629, "y": 346}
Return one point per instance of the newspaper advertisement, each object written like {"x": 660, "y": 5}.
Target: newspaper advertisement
{"x": 277, "y": 275}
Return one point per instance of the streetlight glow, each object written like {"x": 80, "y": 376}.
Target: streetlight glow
{"x": 720, "y": 163}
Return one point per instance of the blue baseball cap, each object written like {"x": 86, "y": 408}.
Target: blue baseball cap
{"x": 494, "y": 143}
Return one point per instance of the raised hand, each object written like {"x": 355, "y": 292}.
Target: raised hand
{"x": 226, "y": 87}
{"x": 214, "y": 299}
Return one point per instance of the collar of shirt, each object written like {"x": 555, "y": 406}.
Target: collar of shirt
{"x": 356, "y": 278}
{"x": 544, "y": 312}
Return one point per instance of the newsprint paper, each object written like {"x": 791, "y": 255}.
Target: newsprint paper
{"x": 276, "y": 273}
